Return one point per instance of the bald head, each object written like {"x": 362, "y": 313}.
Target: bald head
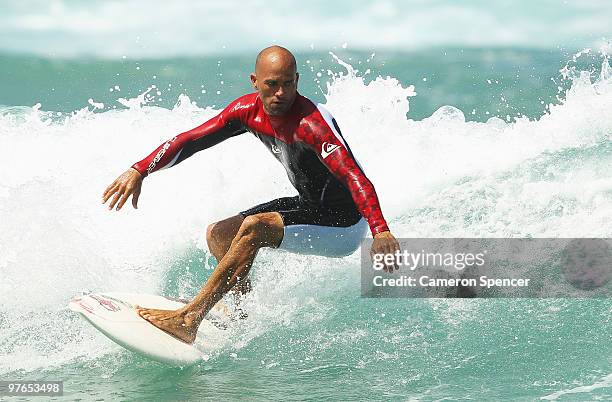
{"x": 275, "y": 78}
{"x": 275, "y": 56}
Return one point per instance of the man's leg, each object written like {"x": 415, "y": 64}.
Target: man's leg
{"x": 256, "y": 231}
{"x": 219, "y": 236}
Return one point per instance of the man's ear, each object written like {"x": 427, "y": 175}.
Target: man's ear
{"x": 254, "y": 81}
{"x": 297, "y": 77}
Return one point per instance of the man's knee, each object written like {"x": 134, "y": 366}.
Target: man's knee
{"x": 265, "y": 229}
{"x": 252, "y": 226}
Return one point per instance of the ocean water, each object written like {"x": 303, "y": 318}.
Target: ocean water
{"x": 507, "y": 134}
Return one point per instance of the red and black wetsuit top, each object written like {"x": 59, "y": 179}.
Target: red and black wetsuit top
{"x": 306, "y": 140}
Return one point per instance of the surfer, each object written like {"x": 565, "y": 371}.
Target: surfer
{"x": 330, "y": 215}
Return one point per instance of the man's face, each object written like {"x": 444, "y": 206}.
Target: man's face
{"x": 276, "y": 83}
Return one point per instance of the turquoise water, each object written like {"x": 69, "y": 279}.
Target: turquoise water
{"x": 464, "y": 134}
{"x": 422, "y": 350}
{"x": 481, "y": 82}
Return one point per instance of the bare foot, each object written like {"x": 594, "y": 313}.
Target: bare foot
{"x": 178, "y": 323}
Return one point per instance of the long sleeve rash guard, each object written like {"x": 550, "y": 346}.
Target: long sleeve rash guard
{"x": 306, "y": 141}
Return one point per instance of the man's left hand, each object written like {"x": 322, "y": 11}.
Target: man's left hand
{"x": 385, "y": 243}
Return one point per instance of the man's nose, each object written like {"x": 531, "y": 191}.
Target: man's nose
{"x": 280, "y": 92}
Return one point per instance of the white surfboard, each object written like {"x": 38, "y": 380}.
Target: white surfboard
{"x": 114, "y": 314}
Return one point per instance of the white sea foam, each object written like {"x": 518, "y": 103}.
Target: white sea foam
{"x": 440, "y": 176}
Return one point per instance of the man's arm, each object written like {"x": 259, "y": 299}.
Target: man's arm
{"x": 228, "y": 123}
{"x": 325, "y": 138}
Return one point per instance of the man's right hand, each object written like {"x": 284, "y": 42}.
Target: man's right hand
{"x": 129, "y": 183}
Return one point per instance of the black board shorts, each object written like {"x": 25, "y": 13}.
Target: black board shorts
{"x": 314, "y": 229}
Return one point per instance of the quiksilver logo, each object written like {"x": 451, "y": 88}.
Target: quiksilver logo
{"x": 327, "y": 149}
{"x": 276, "y": 149}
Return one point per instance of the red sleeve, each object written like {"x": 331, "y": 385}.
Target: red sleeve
{"x": 335, "y": 154}
{"x": 228, "y": 123}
